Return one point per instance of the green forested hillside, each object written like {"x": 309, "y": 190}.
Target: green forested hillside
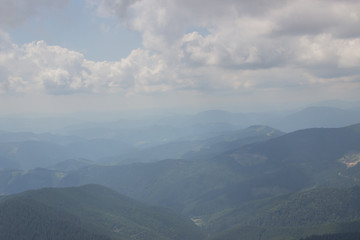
{"x": 88, "y": 212}
{"x": 317, "y": 211}
{"x": 26, "y": 219}
{"x": 335, "y": 236}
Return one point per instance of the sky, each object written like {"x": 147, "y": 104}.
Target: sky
{"x": 120, "y": 55}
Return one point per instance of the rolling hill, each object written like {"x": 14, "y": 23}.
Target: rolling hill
{"x": 293, "y": 216}
{"x": 88, "y": 212}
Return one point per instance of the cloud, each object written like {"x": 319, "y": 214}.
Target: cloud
{"x": 16, "y": 12}
{"x": 248, "y": 46}
{"x": 38, "y": 67}
{"x": 338, "y": 18}
{"x": 244, "y": 34}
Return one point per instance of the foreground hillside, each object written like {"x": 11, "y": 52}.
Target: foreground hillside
{"x": 87, "y": 212}
{"x": 293, "y": 216}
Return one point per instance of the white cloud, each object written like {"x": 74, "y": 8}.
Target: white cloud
{"x": 243, "y": 34}
{"x": 37, "y": 66}
{"x": 55, "y": 70}
{"x": 327, "y": 57}
{"x": 249, "y": 46}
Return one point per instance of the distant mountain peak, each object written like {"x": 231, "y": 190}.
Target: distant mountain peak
{"x": 318, "y": 116}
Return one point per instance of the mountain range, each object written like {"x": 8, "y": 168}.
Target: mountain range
{"x": 248, "y": 183}
{"x": 151, "y": 139}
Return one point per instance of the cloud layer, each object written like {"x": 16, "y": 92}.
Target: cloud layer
{"x": 239, "y": 47}
{"x": 13, "y": 13}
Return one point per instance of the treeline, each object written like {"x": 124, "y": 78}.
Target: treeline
{"x": 336, "y": 236}
{"x": 90, "y": 212}
{"x": 308, "y": 208}
{"x": 27, "y": 220}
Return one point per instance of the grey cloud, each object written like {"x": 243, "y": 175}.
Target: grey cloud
{"x": 249, "y": 35}
{"x": 170, "y": 19}
{"x": 4, "y": 85}
{"x": 340, "y": 18}
{"x": 326, "y": 72}
{"x": 119, "y": 8}
{"x": 14, "y": 12}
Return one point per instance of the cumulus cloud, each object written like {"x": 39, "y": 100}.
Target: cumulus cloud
{"x": 35, "y": 66}
{"x": 246, "y": 34}
{"x": 38, "y": 67}
{"x": 247, "y": 46}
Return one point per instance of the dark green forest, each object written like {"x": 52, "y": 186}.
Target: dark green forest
{"x": 88, "y": 212}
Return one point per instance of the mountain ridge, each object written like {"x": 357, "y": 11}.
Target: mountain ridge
{"x": 104, "y": 212}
